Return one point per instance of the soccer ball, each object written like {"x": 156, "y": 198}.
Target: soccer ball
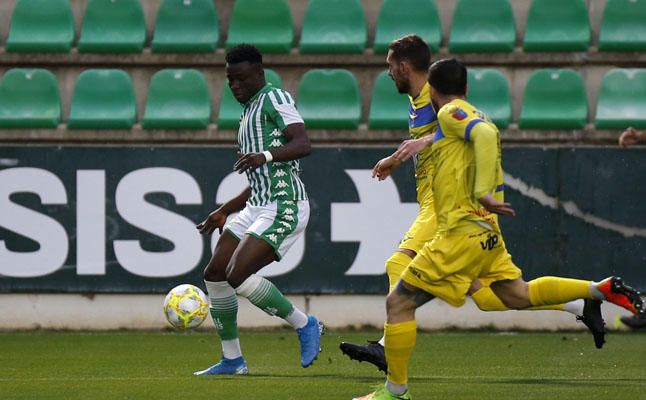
{"x": 186, "y": 306}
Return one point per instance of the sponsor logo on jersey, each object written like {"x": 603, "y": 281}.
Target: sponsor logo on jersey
{"x": 490, "y": 243}
{"x": 459, "y": 114}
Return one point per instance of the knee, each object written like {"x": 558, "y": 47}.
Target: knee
{"x": 210, "y": 274}
{"x": 214, "y": 272}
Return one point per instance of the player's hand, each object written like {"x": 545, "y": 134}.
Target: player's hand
{"x": 410, "y": 147}
{"x": 216, "y": 219}
{"x": 384, "y": 167}
{"x": 629, "y": 137}
{"x": 497, "y": 207}
{"x": 249, "y": 162}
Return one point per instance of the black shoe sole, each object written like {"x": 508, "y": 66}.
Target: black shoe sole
{"x": 355, "y": 353}
{"x": 618, "y": 286}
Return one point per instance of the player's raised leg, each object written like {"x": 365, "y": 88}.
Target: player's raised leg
{"x": 254, "y": 253}
{"x": 546, "y": 290}
{"x": 587, "y": 311}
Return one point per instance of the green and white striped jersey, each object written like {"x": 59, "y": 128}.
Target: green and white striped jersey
{"x": 263, "y": 120}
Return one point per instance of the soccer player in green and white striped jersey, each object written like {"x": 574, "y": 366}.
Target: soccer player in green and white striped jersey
{"x": 275, "y": 211}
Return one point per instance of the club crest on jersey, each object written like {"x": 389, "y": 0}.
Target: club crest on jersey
{"x": 459, "y": 114}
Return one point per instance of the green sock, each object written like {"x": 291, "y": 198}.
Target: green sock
{"x": 224, "y": 309}
{"x": 266, "y": 296}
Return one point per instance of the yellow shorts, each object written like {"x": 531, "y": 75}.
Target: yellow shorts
{"x": 446, "y": 266}
{"x": 424, "y": 227}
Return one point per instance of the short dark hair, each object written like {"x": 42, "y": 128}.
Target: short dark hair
{"x": 243, "y": 52}
{"x": 413, "y": 49}
{"x": 449, "y": 77}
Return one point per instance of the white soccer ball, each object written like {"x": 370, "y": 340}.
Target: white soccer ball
{"x": 186, "y": 306}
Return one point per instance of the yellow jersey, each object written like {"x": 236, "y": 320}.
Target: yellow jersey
{"x": 466, "y": 155}
{"x": 422, "y": 121}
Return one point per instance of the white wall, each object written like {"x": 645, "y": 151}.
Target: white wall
{"x": 109, "y": 312}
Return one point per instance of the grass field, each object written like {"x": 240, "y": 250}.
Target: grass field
{"x": 156, "y": 365}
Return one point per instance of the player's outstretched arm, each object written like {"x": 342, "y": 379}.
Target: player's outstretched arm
{"x": 410, "y": 147}
{"x": 297, "y": 146}
{"x": 631, "y": 136}
{"x": 218, "y": 217}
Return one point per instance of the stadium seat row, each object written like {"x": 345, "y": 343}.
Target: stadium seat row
{"x": 329, "y": 26}
{"x": 327, "y": 99}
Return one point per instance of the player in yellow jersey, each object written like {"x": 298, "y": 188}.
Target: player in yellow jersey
{"x": 408, "y": 61}
{"x": 468, "y": 192}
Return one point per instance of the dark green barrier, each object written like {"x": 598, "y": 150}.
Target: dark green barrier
{"x": 111, "y": 219}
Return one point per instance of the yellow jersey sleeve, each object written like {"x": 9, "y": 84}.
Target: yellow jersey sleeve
{"x": 485, "y": 146}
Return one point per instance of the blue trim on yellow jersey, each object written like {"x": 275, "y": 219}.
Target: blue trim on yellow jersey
{"x": 470, "y": 125}
{"x": 423, "y": 116}
{"x": 439, "y": 135}
{"x": 500, "y": 188}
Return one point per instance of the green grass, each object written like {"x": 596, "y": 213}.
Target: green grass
{"x": 151, "y": 365}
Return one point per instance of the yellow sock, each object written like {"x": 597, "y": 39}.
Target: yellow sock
{"x": 486, "y": 300}
{"x": 400, "y": 340}
{"x": 395, "y": 265}
{"x": 552, "y": 290}
{"x": 557, "y": 307}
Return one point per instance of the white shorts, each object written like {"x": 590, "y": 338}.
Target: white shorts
{"x": 278, "y": 223}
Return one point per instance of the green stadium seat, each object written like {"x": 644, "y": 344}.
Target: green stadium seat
{"x": 230, "y": 109}
{"x": 622, "y": 99}
{"x": 557, "y": 25}
{"x": 29, "y": 98}
{"x": 267, "y": 24}
{"x": 489, "y": 92}
{"x": 401, "y": 17}
{"x": 623, "y": 27}
{"x": 554, "y": 99}
{"x": 329, "y": 99}
{"x": 483, "y": 26}
{"x": 388, "y": 107}
{"x": 178, "y": 99}
{"x": 103, "y": 99}
{"x": 113, "y": 26}
{"x": 334, "y": 26}
{"x": 41, "y": 26}
{"x": 186, "y": 26}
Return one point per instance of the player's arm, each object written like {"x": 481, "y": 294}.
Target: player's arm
{"x": 282, "y": 111}
{"x": 485, "y": 144}
{"x": 631, "y": 136}
{"x": 298, "y": 146}
{"x": 384, "y": 167}
{"x": 410, "y": 147}
{"x": 218, "y": 217}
